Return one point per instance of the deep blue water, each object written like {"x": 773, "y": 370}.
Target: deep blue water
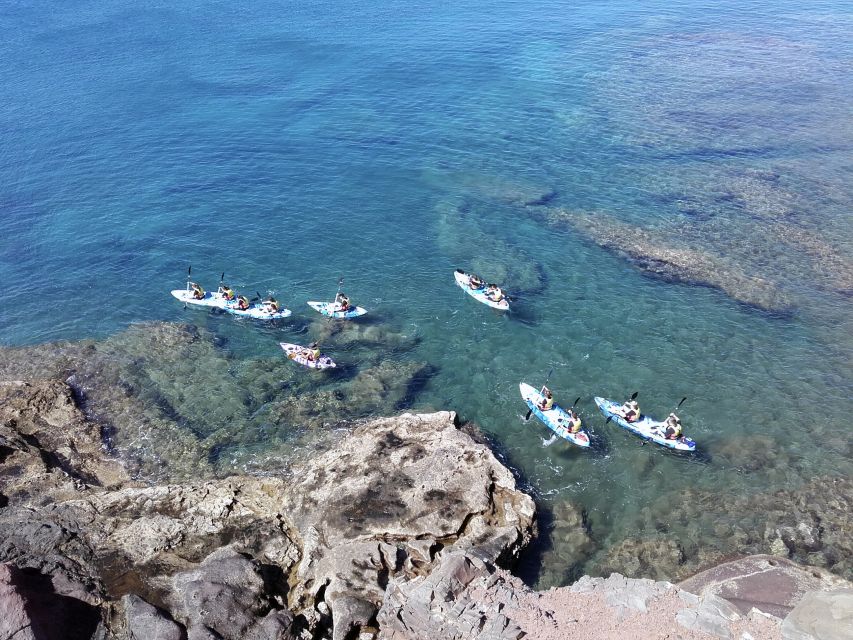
{"x": 289, "y": 144}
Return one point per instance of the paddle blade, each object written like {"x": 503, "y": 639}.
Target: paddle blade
{"x": 634, "y": 395}
{"x": 609, "y": 418}
{"x": 576, "y": 402}
{"x": 189, "y": 271}
{"x": 680, "y": 403}
{"x": 222, "y": 277}
{"x": 527, "y": 417}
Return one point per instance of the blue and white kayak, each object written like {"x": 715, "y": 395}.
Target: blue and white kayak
{"x": 331, "y": 310}
{"x": 299, "y": 354}
{"x": 645, "y": 427}
{"x": 463, "y": 279}
{"x": 555, "y": 418}
{"x": 217, "y": 301}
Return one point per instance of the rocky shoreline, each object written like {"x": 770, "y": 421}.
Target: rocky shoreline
{"x": 403, "y": 530}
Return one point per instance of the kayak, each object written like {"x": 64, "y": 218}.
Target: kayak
{"x": 645, "y": 427}
{"x": 295, "y": 352}
{"x": 554, "y": 418}
{"x": 478, "y": 294}
{"x": 329, "y": 309}
{"x": 218, "y": 301}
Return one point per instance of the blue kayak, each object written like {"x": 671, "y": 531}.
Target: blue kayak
{"x": 331, "y": 310}
{"x": 554, "y": 418}
{"x": 646, "y": 427}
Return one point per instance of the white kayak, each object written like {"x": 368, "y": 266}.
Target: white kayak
{"x": 462, "y": 279}
{"x": 555, "y": 418}
{"x": 645, "y": 427}
{"x": 332, "y": 310}
{"x": 298, "y": 353}
{"x": 217, "y": 301}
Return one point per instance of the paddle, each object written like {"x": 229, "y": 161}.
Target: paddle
{"x": 189, "y": 282}
{"x": 633, "y": 397}
{"x": 335, "y": 303}
{"x": 679, "y": 404}
{"x": 527, "y": 417}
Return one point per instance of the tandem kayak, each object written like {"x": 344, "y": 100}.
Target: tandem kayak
{"x": 645, "y": 427}
{"x": 478, "y": 294}
{"x": 217, "y": 301}
{"x": 297, "y": 353}
{"x": 555, "y": 418}
{"x": 330, "y": 309}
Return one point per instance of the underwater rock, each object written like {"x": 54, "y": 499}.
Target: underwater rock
{"x": 476, "y": 249}
{"x": 658, "y": 558}
{"x": 348, "y": 334}
{"x": 384, "y": 387}
{"x": 663, "y": 255}
{"x": 513, "y": 191}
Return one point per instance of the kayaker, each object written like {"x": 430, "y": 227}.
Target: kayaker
{"x": 198, "y": 292}
{"x": 673, "y": 427}
{"x": 574, "y": 422}
{"x": 475, "y": 282}
{"x": 242, "y": 303}
{"x": 630, "y": 411}
{"x": 494, "y": 293}
{"x": 547, "y": 400}
{"x": 312, "y": 352}
{"x": 341, "y": 301}
{"x": 227, "y": 292}
{"x": 271, "y": 305}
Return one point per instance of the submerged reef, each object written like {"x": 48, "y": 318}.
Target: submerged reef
{"x": 175, "y": 404}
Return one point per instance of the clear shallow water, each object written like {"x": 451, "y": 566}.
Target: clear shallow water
{"x": 291, "y": 144}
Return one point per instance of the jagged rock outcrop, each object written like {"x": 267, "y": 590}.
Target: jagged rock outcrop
{"x": 247, "y": 557}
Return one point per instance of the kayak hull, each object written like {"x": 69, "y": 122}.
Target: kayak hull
{"x": 327, "y": 309}
{"x": 294, "y": 352}
{"x": 218, "y": 301}
{"x": 478, "y": 294}
{"x": 645, "y": 427}
{"x": 555, "y": 418}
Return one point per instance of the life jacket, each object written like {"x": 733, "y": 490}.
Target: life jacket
{"x": 242, "y": 303}
{"x": 315, "y": 353}
{"x": 198, "y": 292}
{"x": 547, "y": 403}
{"x": 228, "y": 292}
{"x": 273, "y": 305}
{"x": 574, "y": 424}
{"x": 632, "y": 411}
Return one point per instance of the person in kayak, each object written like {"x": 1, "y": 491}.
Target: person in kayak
{"x": 494, "y": 293}
{"x": 673, "y": 427}
{"x": 341, "y": 302}
{"x": 198, "y": 292}
{"x": 574, "y": 422}
{"x": 546, "y": 401}
{"x": 227, "y": 292}
{"x": 630, "y": 411}
{"x": 311, "y": 352}
{"x": 270, "y": 305}
{"x": 475, "y": 282}
{"x": 242, "y": 303}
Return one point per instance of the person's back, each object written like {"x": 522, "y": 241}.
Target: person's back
{"x": 574, "y": 422}
{"x": 631, "y": 411}
{"x": 242, "y": 303}
{"x": 546, "y": 402}
{"x": 227, "y": 292}
{"x": 673, "y": 427}
{"x": 271, "y": 305}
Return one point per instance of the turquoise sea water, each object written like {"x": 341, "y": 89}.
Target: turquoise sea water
{"x": 289, "y": 144}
